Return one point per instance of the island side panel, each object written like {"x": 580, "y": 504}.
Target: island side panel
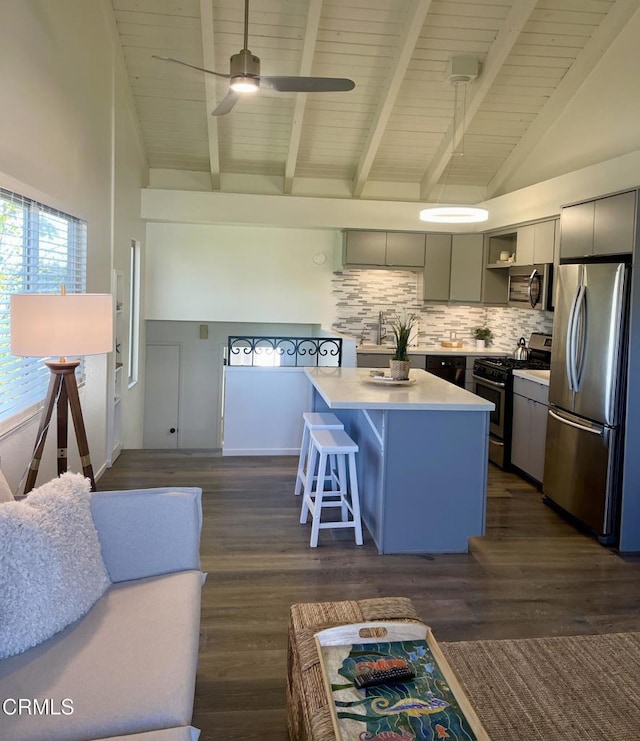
{"x": 434, "y": 490}
{"x": 367, "y": 430}
{"x": 369, "y": 460}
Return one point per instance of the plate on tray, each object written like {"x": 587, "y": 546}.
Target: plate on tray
{"x": 388, "y": 381}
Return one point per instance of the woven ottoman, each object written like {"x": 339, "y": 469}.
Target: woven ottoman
{"x": 309, "y": 717}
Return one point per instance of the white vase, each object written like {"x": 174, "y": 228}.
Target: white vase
{"x": 481, "y": 344}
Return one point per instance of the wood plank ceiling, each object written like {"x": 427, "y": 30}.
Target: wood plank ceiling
{"x": 396, "y": 127}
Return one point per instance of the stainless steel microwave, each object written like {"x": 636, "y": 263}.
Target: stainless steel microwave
{"x": 530, "y": 286}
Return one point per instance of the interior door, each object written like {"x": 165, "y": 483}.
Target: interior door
{"x": 162, "y": 397}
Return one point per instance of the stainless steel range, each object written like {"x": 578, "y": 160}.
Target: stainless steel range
{"x": 493, "y": 380}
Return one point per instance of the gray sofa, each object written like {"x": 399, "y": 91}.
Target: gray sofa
{"x": 127, "y": 668}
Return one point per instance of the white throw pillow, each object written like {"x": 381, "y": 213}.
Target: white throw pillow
{"x": 51, "y": 567}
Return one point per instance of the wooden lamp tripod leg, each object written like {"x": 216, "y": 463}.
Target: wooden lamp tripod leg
{"x": 78, "y": 424}
{"x": 63, "y": 389}
{"x": 55, "y": 382}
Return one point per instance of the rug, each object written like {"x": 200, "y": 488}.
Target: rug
{"x": 578, "y": 688}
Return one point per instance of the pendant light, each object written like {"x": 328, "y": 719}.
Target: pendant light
{"x": 463, "y": 70}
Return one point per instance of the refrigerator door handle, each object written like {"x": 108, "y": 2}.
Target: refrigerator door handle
{"x": 569, "y": 351}
{"x": 580, "y": 333}
{"x": 593, "y": 430}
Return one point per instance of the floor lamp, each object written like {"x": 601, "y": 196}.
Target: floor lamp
{"x": 49, "y": 325}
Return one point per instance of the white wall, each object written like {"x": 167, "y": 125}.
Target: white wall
{"x": 239, "y": 273}
{"x": 130, "y": 173}
{"x": 263, "y": 410}
{"x": 201, "y": 371}
{"x": 56, "y": 145}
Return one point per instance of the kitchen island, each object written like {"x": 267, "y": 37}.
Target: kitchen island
{"x": 422, "y": 463}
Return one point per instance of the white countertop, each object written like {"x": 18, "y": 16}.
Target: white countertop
{"x": 350, "y": 388}
{"x": 537, "y": 376}
{"x": 436, "y": 350}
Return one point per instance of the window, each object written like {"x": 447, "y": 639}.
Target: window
{"x": 134, "y": 312}
{"x": 41, "y": 249}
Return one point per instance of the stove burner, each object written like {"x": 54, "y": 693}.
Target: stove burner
{"x": 512, "y": 364}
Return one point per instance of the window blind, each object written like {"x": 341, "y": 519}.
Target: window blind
{"x": 41, "y": 249}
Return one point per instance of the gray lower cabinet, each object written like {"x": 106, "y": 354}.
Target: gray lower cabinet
{"x": 605, "y": 226}
{"x": 530, "y": 408}
{"x": 381, "y": 360}
{"x": 373, "y": 360}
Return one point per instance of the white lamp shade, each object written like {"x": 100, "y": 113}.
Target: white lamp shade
{"x": 74, "y": 324}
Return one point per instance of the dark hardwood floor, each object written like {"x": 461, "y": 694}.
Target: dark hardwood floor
{"x": 531, "y": 575}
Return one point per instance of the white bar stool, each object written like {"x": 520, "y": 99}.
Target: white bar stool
{"x": 324, "y": 445}
{"x": 313, "y": 421}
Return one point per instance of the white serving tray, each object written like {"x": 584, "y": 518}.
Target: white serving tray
{"x": 334, "y": 644}
{"x": 388, "y": 381}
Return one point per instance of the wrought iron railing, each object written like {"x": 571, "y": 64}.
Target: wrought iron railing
{"x": 284, "y": 351}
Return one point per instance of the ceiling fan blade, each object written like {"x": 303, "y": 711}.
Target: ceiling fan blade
{"x": 226, "y": 104}
{"x": 193, "y": 66}
{"x": 308, "y": 84}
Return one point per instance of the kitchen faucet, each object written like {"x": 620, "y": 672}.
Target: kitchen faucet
{"x": 382, "y": 330}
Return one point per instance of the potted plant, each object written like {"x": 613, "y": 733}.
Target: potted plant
{"x": 402, "y": 325}
{"x": 482, "y": 335}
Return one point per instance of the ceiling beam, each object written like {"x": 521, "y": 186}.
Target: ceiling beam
{"x": 308, "y": 49}
{"x": 500, "y": 49}
{"x": 592, "y": 52}
{"x": 410, "y": 33}
{"x": 209, "y": 62}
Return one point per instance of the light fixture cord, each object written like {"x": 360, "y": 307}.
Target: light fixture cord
{"x": 246, "y": 24}
{"x": 458, "y": 151}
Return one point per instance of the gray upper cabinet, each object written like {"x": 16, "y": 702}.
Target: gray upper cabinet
{"x": 405, "y": 249}
{"x": 365, "y": 248}
{"x": 384, "y": 249}
{"x": 576, "y": 230}
{"x": 614, "y": 224}
{"x": 437, "y": 267}
{"x": 525, "y": 245}
{"x": 535, "y": 243}
{"x": 467, "y": 264}
{"x": 605, "y": 226}
{"x": 544, "y": 241}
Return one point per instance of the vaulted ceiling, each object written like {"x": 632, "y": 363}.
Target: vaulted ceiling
{"x": 396, "y": 126}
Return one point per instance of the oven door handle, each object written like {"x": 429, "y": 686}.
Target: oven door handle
{"x": 535, "y": 275}
{"x": 490, "y": 383}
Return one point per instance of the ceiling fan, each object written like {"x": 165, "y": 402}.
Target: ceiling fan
{"x": 244, "y": 76}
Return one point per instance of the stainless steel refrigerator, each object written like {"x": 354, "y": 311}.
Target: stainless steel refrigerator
{"x": 582, "y": 472}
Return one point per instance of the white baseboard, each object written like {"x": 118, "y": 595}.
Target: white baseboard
{"x": 260, "y": 451}
{"x": 97, "y": 474}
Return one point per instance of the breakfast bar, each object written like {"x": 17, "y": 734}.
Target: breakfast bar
{"x": 422, "y": 460}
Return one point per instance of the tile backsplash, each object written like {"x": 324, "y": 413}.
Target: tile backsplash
{"x": 360, "y": 294}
